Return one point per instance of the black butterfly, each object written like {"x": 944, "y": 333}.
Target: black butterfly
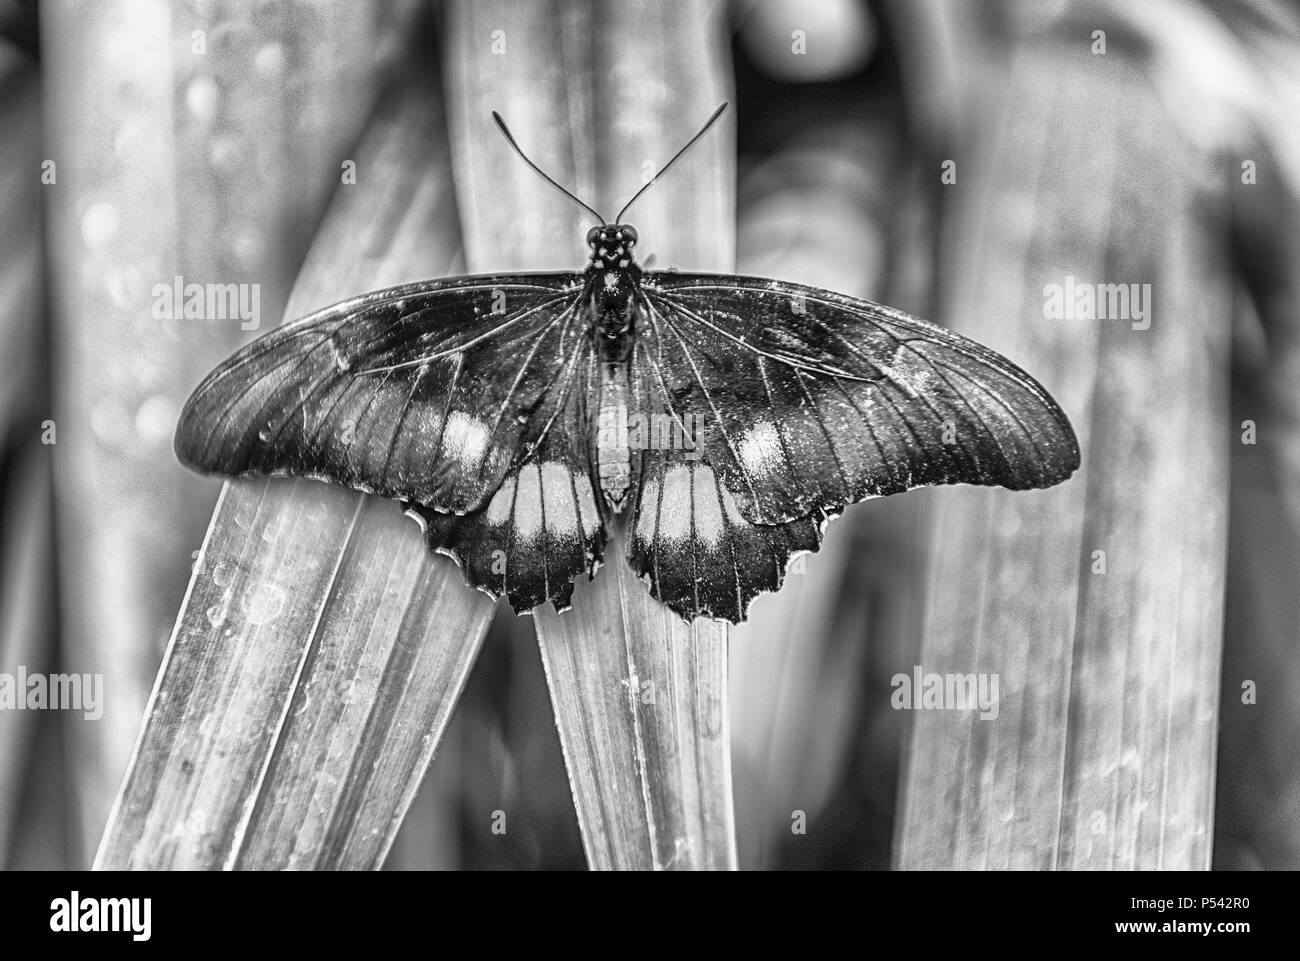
{"x": 726, "y": 418}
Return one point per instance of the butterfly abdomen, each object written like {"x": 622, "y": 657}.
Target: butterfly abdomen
{"x": 613, "y": 458}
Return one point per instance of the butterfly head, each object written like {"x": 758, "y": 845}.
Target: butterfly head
{"x": 612, "y": 246}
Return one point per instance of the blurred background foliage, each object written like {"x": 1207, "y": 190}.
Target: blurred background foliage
{"x": 839, "y": 159}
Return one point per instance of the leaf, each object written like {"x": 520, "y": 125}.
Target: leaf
{"x": 1097, "y": 606}
{"x": 321, "y": 647}
{"x": 639, "y": 697}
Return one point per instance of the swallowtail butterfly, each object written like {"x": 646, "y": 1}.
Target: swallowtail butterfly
{"x": 722, "y": 419}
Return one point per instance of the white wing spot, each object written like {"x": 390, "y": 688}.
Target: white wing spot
{"x": 675, "y": 512}
{"x": 708, "y": 512}
{"x": 760, "y": 448}
{"x": 498, "y": 511}
{"x": 586, "y": 505}
{"x": 528, "y": 504}
{"x": 645, "y": 524}
{"x": 732, "y": 508}
{"x": 465, "y": 439}
{"x": 561, "y": 512}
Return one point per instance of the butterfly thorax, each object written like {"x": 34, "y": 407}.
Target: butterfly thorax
{"x": 613, "y": 279}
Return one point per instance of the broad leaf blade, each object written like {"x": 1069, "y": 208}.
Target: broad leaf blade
{"x": 321, "y": 646}
{"x": 639, "y": 696}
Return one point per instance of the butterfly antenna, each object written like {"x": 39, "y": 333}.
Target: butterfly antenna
{"x": 544, "y": 175}
{"x": 703, "y": 130}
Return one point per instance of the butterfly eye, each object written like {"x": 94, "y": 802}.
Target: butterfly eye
{"x": 593, "y": 235}
{"x": 629, "y": 233}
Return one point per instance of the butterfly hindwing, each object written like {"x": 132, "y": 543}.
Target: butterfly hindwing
{"x": 700, "y": 556}
{"x": 686, "y": 536}
{"x": 811, "y": 401}
{"x": 430, "y": 393}
{"x": 544, "y": 525}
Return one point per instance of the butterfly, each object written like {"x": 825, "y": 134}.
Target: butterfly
{"x": 721, "y": 420}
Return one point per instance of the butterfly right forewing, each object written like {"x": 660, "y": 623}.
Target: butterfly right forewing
{"x": 805, "y": 402}
{"x": 815, "y": 400}
{"x": 430, "y": 393}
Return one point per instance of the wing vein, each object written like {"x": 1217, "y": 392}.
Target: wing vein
{"x": 717, "y": 418}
